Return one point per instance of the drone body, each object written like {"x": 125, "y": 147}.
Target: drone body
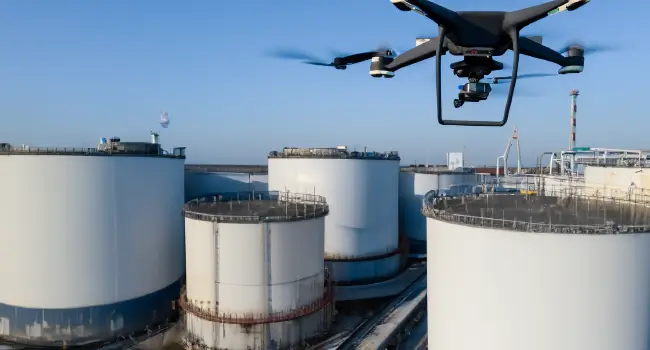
{"x": 477, "y": 36}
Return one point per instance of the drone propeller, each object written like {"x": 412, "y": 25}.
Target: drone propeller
{"x": 588, "y": 49}
{"x": 341, "y": 61}
{"x": 498, "y": 80}
{"x": 301, "y": 56}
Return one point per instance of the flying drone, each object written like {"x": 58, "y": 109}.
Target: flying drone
{"x": 478, "y": 36}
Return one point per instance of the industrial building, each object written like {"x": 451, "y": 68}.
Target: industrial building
{"x": 361, "y": 231}
{"x": 205, "y": 180}
{"x": 255, "y": 271}
{"x": 415, "y": 182}
{"x": 559, "y": 271}
{"x": 92, "y": 244}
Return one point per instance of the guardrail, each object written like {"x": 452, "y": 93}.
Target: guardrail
{"x": 298, "y": 206}
{"x": 624, "y": 162}
{"x": 83, "y": 151}
{"x": 435, "y": 207}
{"x": 332, "y": 153}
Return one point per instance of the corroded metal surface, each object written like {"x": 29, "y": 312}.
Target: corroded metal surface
{"x": 213, "y": 315}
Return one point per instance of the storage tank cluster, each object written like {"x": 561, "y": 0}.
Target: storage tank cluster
{"x": 514, "y": 271}
{"x": 361, "y": 188}
{"x": 255, "y": 271}
{"x": 414, "y": 183}
{"x": 92, "y": 241}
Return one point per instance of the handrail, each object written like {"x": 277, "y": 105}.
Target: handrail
{"x": 433, "y": 206}
{"x": 298, "y": 206}
{"x": 81, "y": 151}
{"x": 291, "y": 152}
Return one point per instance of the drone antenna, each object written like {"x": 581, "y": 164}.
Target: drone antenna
{"x": 574, "y": 108}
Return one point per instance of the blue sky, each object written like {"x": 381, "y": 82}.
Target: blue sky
{"x": 74, "y": 71}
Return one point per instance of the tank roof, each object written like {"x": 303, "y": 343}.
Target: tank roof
{"x": 340, "y": 152}
{"x": 121, "y": 149}
{"x": 570, "y": 213}
{"x": 256, "y": 206}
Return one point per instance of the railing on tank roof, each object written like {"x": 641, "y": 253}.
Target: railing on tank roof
{"x": 332, "y": 153}
{"x": 433, "y": 206}
{"x": 81, "y": 151}
{"x": 576, "y": 183}
{"x": 638, "y": 159}
{"x": 298, "y": 206}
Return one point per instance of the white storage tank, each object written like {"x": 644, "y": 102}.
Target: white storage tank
{"x": 414, "y": 183}
{"x": 618, "y": 181}
{"x": 512, "y": 272}
{"x": 255, "y": 272}
{"x": 361, "y": 188}
{"x": 92, "y": 242}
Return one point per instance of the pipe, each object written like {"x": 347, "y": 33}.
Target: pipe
{"x": 541, "y": 157}
{"x": 574, "y": 106}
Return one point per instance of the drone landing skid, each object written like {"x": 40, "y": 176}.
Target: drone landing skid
{"x": 513, "y": 33}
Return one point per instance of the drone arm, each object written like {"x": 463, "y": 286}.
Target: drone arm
{"x": 441, "y": 15}
{"x": 534, "y": 49}
{"x": 414, "y": 55}
{"x": 358, "y": 57}
{"x": 524, "y": 17}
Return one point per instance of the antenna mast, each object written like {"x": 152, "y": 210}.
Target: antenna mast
{"x": 574, "y": 108}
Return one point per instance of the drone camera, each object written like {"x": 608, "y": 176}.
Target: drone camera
{"x": 378, "y": 67}
{"x": 401, "y": 5}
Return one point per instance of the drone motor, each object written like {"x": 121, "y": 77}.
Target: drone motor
{"x": 401, "y": 5}
{"x": 577, "y": 55}
{"x": 378, "y": 66}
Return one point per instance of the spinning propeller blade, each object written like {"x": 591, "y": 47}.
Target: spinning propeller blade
{"x": 588, "y": 49}
{"x": 340, "y": 61}
{"x": 298, "y": 55}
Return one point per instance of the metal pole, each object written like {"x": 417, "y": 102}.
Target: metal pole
{"x": 574, "y": 107}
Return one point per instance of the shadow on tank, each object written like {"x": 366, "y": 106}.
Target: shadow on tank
{"x": 203, "y": 184}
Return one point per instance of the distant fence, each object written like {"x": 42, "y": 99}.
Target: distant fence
{"x": 297, "y": 206}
